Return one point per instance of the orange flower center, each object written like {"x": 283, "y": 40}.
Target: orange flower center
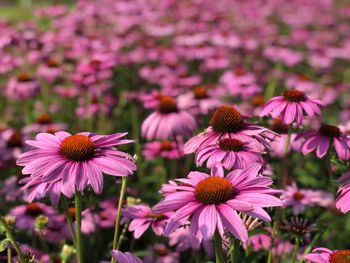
{"x": 52, "y": 63}
{"x": 15, "y": 140}
{"x": 24, "y": 77}
{"x": 298, "y": 196}
{"x": 303, "y": 77}
{"x": 157, "y": 217}
{"x": 340, "y": 256}
{"x": 294, "y": 95}
{"x": 77, "y": 148}
{"x": 214, "y": 190}
{"x": 231, "y": 145}
{"x": 51, "y": 131}
{"x": 227, "y": 119}
{"x": 329, "y": 130}
{"x": 166, "y": 146}
{"x": 33, "y": 209}
{"x": 167, "y": 105}
{"x": 43, "y": 119}
{"x": 257, "y": 101}
{"x": 239, "y": 72}
{"x": 71, "y": 212}
{"x": 200, "y": 92}
{"x": 279, "y": 127}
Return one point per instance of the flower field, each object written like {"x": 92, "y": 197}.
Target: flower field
{"x": 190, "y": 131}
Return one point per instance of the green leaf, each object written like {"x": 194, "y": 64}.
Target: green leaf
{"x": 3, "y": 244}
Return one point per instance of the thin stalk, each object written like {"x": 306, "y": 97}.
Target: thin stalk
{"x": 136, "y": 137}
{"x": 122, "y": 235}
{"x": 11, "y": 237}
{"x": 79, "y": 240}
{"x": 295, "y": 251}
{"x": 218, "y": 248}
{"x": 234, "y": 250}
{"x": 310, "y": 246}
{"x": 9, "y": 255}
{"x": 69, "y": 221}
{"x": 117, "y": 220}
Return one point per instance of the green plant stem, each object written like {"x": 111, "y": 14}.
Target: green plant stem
{"x": 9, "y": 255}
{"x": 69, "y": 221}
{"x": 295, "y": 251}
{"x": 122, "y": 235}
{"x": 234, "y": 255}
{"x": 136, "y": 137}
{"x": 218, "y": 248}
{"x": 117, "y": 220}
{"x": 309, "y": 247}
{"x": 11, "y": 237}
{"x": 79, "y": 240}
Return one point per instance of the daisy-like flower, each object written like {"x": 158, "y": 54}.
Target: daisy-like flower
{"x": 301, "y": 198}
{"x": 227, "y": 122}
{"x": 325, "y": 255}
{"x": 320, "y": 141}
{"x": 231, "y": 153}
{"x": 165, "y": 149}
{"x": 67, "y": 163}
{"x": 22, "y": 87}
{"x": 168, "y": 121}
{"x": 342, "y": 202}
{"x": 125, "y": 257}
{"x": 142, "y": 217}
{"x": 290, "y": 107}
{"x": 211, "y": 202}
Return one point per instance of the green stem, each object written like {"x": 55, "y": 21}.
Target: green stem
{"x": 9, "y": 255}
{"x": 308, "y": 249}
{"x": 234, "y": 250}
{"x": 69, "y": 221}
{"x": 122, "y": 235}
{"x": 78, "y": 209}
{"x": 296, "y": 249}
{"x": 136, "y": 137}
{"x": 117, "y": 220}
{"x": 10, "y": 236}
{"x": 218, "y": 248}
{"x": 271, "y": 86}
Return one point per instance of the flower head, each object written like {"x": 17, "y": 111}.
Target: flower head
{"x": 67, "y": 163}
{"x": 211, "y": 202}
{"x": 325, "y": 255}
{"x": 125, "y": 257}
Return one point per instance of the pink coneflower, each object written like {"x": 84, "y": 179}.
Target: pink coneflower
{"x": 290, "y": 107}
{"x": 231, "y": 153}
{"x": 342, "y": 202}
{"x": 22, "y": 87}
{"x": 73, "y": 162}
{"x": 168, "y": 121}
{"x": 26, "y": 214}
{"x": 301, "y": 198}
{"x": 43, "y": 124}
{"x": 165, "y": 149}
{"x": 10, "y": 188}
{"x": 50, "y": 71}
{"x": 325, "y": 255}
{"x": 212, "y": 202}
{"x": 159, "y": 253}
{"x": 227, "y": 122}
{"x": 125, "y": 257}
{"x": 142, "y": 217}
{"x": 320, "y": 141}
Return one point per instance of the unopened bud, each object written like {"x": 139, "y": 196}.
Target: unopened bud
{"x": 41, "y": 222}
{"x": 67, "y": 253}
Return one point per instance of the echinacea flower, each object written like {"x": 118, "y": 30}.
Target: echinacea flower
{"x": 231, "y": 153}
{"x": 325, "y": 255}
{"x": 211, "y": 202}
{"x": 168, "y": 121}
{"x": 291, "y": 107}
{"x": 320, "y": 141}
{"x": 165, "y": 149}
{"x": 342, "y": 202}
{"x": 142, "y": 217}
{"x": 22, "y": 87}
{"x": 300, "y": 198}
{"x": 125, "y": 257}
{"x": 70, "y": 163}
{"x": 227, "y": 122}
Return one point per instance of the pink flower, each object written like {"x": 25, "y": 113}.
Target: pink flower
{"x": 320, "y": 141}
{"x": 231, "y": 153}
{"x": 165, "y": 149}
{"x": 67, "y": 163}
{"x": 22, "y": 87}
{"x": 125, "y": 257}
{"x": 290, "y": 107}
{"x": 259, "y": 241}
{"x": 26, "y": 214}
{"x": 142, "y": 217}
{"x": 342, "y": 202}
{"x": 168, "y": 121}
{"x": 300, "y": 198}
{"x": 325, "y": 255}
{"x": 211, "y": 202}
{"x": 227, "y": 122}
{"x": 50, "y": 71}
